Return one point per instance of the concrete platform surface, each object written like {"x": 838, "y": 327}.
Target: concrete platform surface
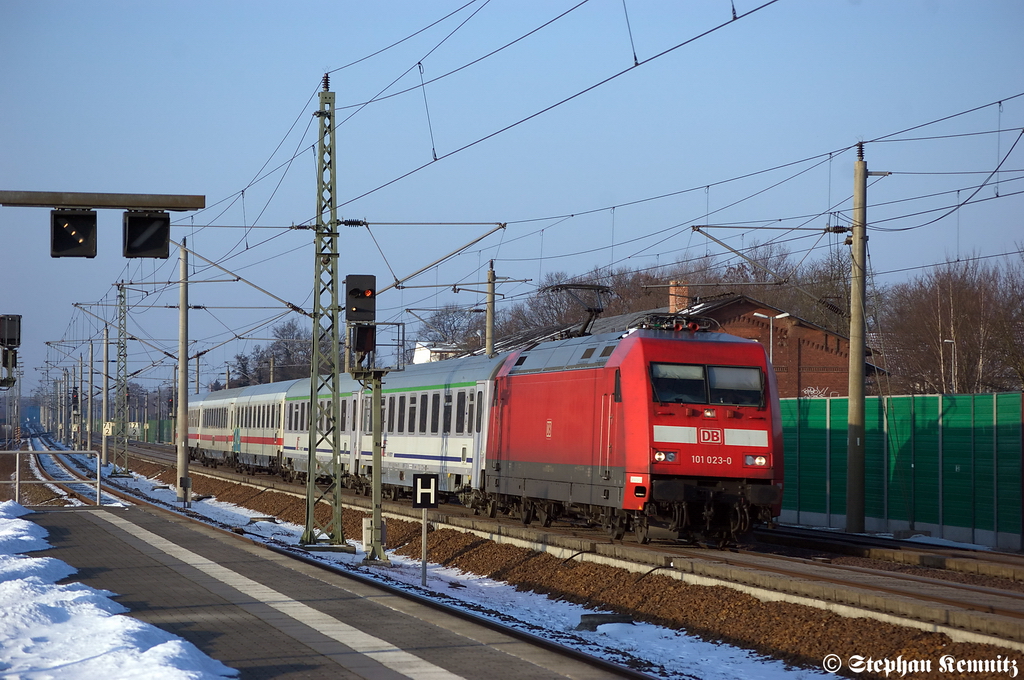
{"x": 270, "y": 616}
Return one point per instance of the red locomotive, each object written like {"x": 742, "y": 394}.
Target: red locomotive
{"x": 666, "y": 432}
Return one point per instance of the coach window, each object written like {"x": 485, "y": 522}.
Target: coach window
{"x": 479, "y": 409}
{"x": 435, "y": 412}
{"x": 401, "y": 414}
{"x": 391, "y": 414}
{"x": 367, "y": 416}
{"x": 412, "y": 414}
{"x": 460, "y": 412}
{"x": 423, "y": 414}
{"x": 446, "y": 421}
{"x": 469, "y": 413}
{"x": 343, "y": 416}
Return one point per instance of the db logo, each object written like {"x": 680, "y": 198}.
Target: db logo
{"x": 708, "y": 436}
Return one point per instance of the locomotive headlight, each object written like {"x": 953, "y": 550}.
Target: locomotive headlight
{"x": 709, "y": 413}
{"x": 759, "y": 461}
{"x": 659, "y": 456}
{"x": 662, "y": 456}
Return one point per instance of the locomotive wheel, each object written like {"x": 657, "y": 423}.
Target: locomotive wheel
{"x": 526, "y": 512}
{"x": 642, "y": 530}
{"x": 739, "y": 520}
{"x": 544, "y": 514}
{"x": 616, "y": 526}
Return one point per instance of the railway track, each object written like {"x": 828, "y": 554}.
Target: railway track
{"x": 982, "y": 562}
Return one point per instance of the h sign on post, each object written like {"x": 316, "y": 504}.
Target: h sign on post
{"x": 424, "y": 491}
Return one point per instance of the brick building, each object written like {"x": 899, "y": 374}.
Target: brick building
{"x": 810, "y": 361}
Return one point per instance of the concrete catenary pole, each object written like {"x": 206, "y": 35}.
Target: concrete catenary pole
{"x": 104, "y": 407}
{"x": 81, "y": 404}
{"x": 489, "y": 331}
{"x": 858, "y": 346}
{"x": 89, "y": 405}
{"x": 184, "y": 495}
{"x": 855, "y": 416}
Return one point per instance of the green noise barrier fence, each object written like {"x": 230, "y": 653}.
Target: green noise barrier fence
{"x": 947, "y": 466}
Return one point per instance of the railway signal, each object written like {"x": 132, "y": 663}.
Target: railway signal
{"x": 362, "y": 297}
{"x": 72, "y": 233}
{"x": 147, "y": 234}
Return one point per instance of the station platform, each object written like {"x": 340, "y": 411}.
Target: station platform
{"x": 270, "y": 616}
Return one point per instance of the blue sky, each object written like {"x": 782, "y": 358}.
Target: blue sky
{"x": 217, "y": 99}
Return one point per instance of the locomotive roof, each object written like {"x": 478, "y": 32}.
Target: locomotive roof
{"x": 593, "y": 351}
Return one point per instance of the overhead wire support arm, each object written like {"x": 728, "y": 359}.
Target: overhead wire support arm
{"x": 781, "y": 279}
{"x": 398, "y": 283}
{"x": 81, "y": 306}
{"x": 289, "y": 305}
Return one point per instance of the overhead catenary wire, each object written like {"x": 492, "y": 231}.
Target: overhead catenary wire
{"x": 553, "y": 106}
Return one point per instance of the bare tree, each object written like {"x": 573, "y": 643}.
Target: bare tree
{"x": 292, "y": 350}
{"x": 1009, "y": 327}
{"x": 450, "y": 325}
{"x": 944, "y": 330}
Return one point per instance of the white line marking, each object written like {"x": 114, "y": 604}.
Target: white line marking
{"x": 379, "y": 650}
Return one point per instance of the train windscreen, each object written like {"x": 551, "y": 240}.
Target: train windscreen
{"x": 697, "y": 384}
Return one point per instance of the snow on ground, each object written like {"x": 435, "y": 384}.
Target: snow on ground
{"x": 76, "y": 632}
{"x": 73, "y": 631}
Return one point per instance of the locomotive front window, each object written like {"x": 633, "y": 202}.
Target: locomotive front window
{"x": 694, "y": 384}
{"x": 735, "y": 385}
{"x": 678, "y": 384}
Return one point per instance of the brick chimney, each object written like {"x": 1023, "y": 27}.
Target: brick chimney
{"x": 678, "y": 296}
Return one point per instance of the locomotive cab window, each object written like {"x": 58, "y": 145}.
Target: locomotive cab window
{"x": 678, "y": 384}
{"x": 681, "y": 383}
{"x": 738, "y": 385}
{"x": 692, "y": 384}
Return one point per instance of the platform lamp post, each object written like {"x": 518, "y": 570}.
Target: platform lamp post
{"x": 771, "y": 333}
